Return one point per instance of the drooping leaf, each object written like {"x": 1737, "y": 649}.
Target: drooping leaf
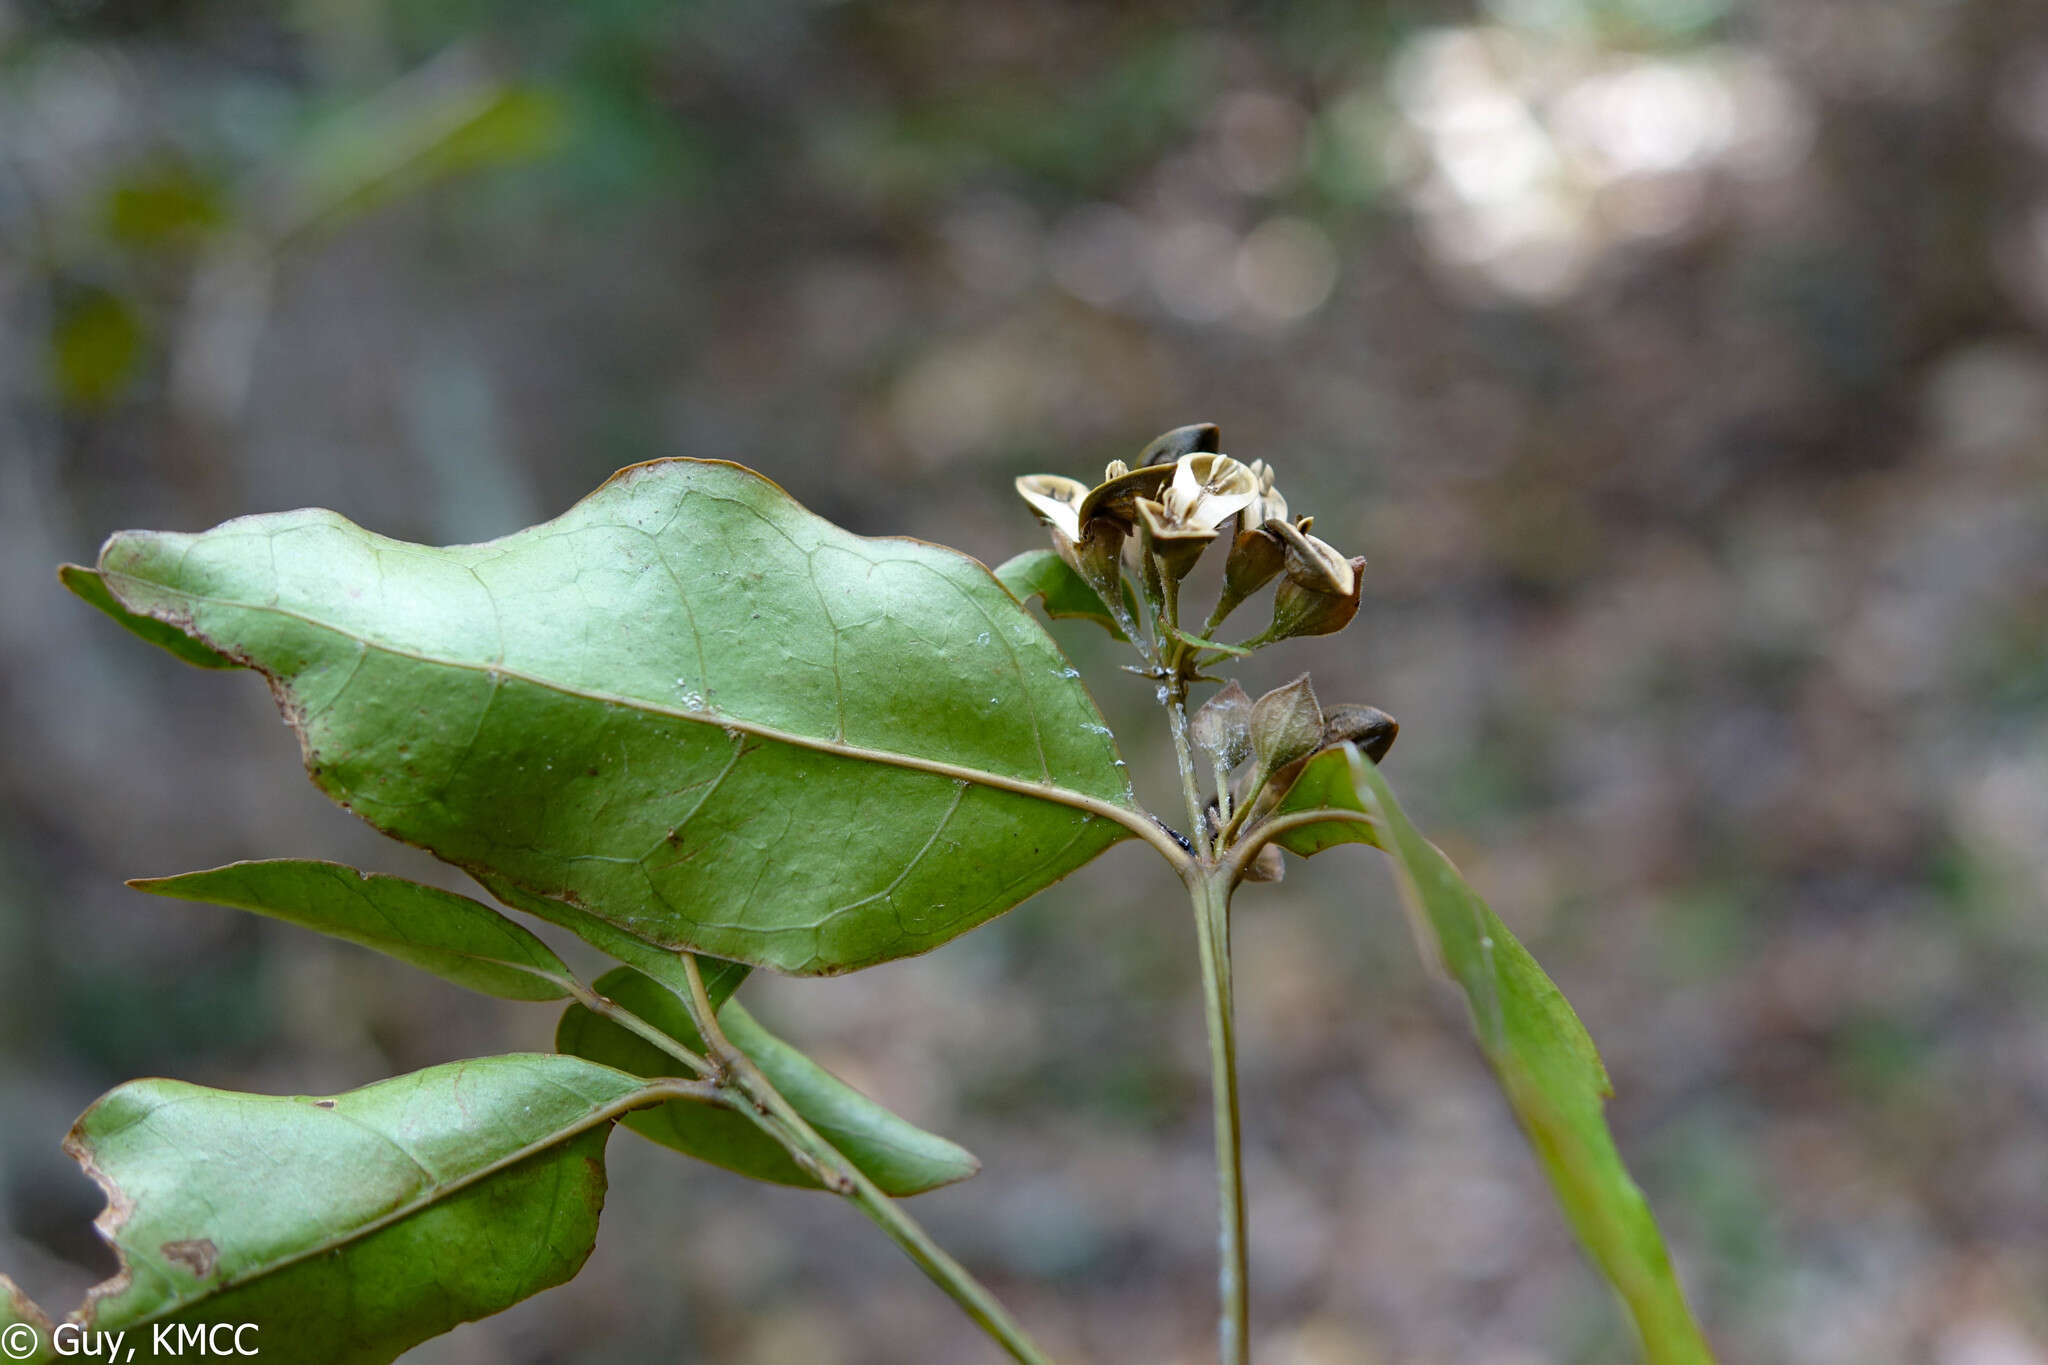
{"x": 87, "y": 584}
{"x": 454, "y": 937}
{"x": 687, "y": 709}
{"x": 898, "y": 1156}
{"x": 1551, "y": 1074}
{"x": 24, "y": 1328}
{"x": 349, "y": 1229}
{"x": 1065, "y": 594}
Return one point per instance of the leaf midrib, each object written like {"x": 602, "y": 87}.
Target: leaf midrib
{"x": 647, "y": 1094}
{"x": 1129, "y": 816}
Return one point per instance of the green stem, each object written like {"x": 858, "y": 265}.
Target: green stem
{"x": 1184, "y": 756}
{"x": 633, "y": 1024}
{"x": 765, "y": 1105}
{"x": 1209, "y": 890}
{"x": 1211, "y": 898}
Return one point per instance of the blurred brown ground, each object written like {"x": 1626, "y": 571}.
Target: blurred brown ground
{"x": 1678, "y": 364}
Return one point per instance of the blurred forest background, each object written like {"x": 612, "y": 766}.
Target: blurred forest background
{"x": 1678, "y": 364}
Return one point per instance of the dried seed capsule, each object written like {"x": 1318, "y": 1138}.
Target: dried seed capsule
{"x": 1287, "y": 723}
{"x": 1222, "y": 728}
{"x": 1299, "y": 610}
{"x": 1370, "y": 728}
{"x": 1170, "y": 446}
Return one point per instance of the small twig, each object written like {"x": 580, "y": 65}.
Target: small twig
{"x": 774, "y": 1115}
{"x": 632, "y": 1023}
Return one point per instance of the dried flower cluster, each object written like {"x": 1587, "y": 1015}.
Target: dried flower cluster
{"x": 1152, "y": 524}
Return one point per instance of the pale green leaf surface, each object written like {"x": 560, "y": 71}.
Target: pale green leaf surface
{"x": 352, "y": 1228}
{"x": 454, "y": 937}
{"x": 900, "y": 1157}
{"x": 1064, "y": 593}
{"x": 687, "y": 708}
{"x": 1551, "y": 1074}
{"x": 91, "y": 588}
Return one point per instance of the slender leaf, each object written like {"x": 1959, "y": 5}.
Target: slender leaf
{"x": 349, "y": 1229}
{"x": 898, "y": 1156}
{"x": 24, "y": 1328}
{"x": 1065, "y": 594}
{"x": 1551, "y": 1074}
{"x": 87, "y": 584}
{"x": 452, "y": 936}
{"x": 687, "y": 709}
{"x": 1198, "y": 642}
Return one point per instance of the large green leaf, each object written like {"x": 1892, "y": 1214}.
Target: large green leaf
{"x": 897, "y": 1155}
{"x": 438, "y": 931}
{"x": 349, "y": 1229}
{"x": 1065, "y": 594}
{"x": 1550, "y": 1072}
{"x": 687, "y": 709}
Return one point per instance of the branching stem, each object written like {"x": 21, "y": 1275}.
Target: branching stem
{"x": 758, "y": 1099}
{"x": 634, "y": 1024}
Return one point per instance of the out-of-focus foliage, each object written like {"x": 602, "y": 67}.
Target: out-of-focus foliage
{"x": 1678, "y": 364}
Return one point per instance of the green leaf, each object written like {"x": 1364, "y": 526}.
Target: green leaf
{"x": 686, "y": 709}
{"x": 454, "y": 937}
{"x": 898, "y": 1156}
{"x": 1551, "y": 1074}
{"x": 87, "y": 584}
{"x": 349, "y": 1229}
{"x": 1323, "y": 782}
{"x": 24, "y": 1328}
{"x": 1043, "y": 574}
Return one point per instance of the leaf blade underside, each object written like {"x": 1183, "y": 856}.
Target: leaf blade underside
{"x": 1064, "y": 594}
{"x": 349, "y": 1229}
{"x": 454, "y": 937}
{"x": 89, "y": 587}
{"x": 686, "y": 707}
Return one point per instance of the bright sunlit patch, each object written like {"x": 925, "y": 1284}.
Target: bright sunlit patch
{"x": 1529, "y": 150}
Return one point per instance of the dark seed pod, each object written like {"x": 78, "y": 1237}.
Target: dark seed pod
{"x": 1188, "y": 440}
{"x": 1370, "y": 728}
